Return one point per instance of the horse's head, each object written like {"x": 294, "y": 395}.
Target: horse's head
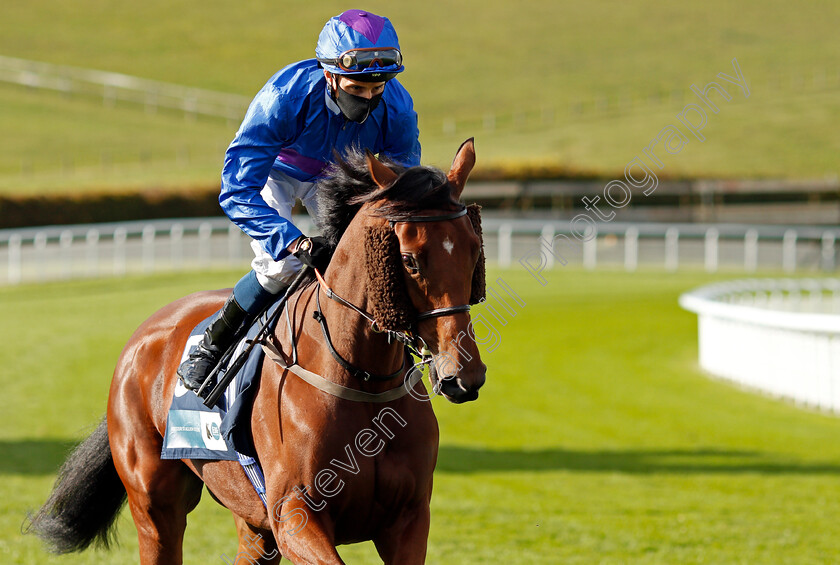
{"x": 427, "y": 267}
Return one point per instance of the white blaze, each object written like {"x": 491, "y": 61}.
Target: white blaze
{"x": 448, "y": 245}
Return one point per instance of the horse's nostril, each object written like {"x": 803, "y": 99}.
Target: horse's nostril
{"x": 455, "y": 391}
{"x": 479, "y": 382}
{"x": 451, "y": 385}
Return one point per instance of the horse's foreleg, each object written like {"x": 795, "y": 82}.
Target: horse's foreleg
{"x": 301, "y": 535}
{"x": 256, "y": 545}
{"x": 404, "y": 542}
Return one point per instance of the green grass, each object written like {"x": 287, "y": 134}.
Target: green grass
{"x": 90, "y": 145}
{"x": 530, "y": 64}
{"x": 595, "y": 440}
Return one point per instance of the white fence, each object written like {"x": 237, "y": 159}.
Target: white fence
{"x": 778, "y": 336}
{"x": 101, "y": 250}
{"x": 670, "y": 246}
{"x": 63, "y": 252}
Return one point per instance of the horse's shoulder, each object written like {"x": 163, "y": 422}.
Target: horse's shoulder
{"x": 183, "y": 314}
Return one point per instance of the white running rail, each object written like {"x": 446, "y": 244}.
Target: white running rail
{"x": 61, "y": 252}
{"x": 780, "y": 336}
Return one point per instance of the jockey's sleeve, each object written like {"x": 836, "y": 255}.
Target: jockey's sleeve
{"x": 402, "y": 138}
{"x": 248, "y": 162}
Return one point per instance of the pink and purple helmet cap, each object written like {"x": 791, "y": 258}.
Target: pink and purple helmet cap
{"x": 360, "y": 44}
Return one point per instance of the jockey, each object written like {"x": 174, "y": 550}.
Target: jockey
{"x": 346, "y": 97}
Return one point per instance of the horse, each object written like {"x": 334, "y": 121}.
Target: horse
{"x": 408, "y": 261}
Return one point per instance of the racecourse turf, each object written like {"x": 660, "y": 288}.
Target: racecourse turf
{"x": 580, "y": 87}
{"x": 595, "y": 440}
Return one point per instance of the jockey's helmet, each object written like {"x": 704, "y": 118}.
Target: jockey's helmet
{"x": 360, "y": 45}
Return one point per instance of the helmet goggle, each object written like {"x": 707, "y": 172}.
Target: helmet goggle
{"x": 356, "y": 60}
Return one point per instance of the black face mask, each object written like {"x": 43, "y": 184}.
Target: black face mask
{"x": 356, "y": 108}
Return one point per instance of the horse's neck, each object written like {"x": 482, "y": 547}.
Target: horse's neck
{"x": 350, "y": 333}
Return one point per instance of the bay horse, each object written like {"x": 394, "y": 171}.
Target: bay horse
{"x": 407, "y": 256}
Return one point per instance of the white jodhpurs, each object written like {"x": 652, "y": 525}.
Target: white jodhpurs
{"x": 280, "y": 192}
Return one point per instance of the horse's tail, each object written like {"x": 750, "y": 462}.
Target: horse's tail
{"x": 85, "y": 500}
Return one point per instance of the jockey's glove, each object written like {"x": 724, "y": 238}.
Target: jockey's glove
{"x": 314, "y": 252}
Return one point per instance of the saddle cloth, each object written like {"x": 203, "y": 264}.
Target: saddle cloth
{"x": 194, "y": 431}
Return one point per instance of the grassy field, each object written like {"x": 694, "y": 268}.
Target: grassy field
{"x": 595, "y": 440}
{"x": 580, "y": 86}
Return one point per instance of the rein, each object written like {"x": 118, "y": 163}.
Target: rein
{"x": 414, "y": 344}
{"x": 338, "y": 390}
{"x": 412, "y": 377}
{"x": 355, "y": 371}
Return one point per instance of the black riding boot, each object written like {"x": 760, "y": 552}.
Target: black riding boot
{"x": 218, "y": 336}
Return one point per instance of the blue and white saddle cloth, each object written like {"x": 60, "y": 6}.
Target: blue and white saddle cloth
{"x": 194, "y": 431}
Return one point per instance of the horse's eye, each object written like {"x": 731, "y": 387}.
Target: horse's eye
{"x": 410, "y": 263}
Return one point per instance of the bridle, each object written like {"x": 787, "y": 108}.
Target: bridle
{"x": 447, "y": 310}
{"x": 414, "y": 344}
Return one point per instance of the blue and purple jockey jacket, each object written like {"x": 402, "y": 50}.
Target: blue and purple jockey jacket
{"x": 292, "y": 127}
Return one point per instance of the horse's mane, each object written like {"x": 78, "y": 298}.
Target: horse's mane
{"x": 348, "y": 185}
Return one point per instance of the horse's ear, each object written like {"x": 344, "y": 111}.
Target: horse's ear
{"x": 381, "y": 174}
{"x": 461, "y": 166}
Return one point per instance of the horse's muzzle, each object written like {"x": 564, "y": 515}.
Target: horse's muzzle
{"x": 459, "y": 389}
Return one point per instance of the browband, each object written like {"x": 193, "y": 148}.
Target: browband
{"x": 440, "y": 218}
{"x": 443, "y": 312}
